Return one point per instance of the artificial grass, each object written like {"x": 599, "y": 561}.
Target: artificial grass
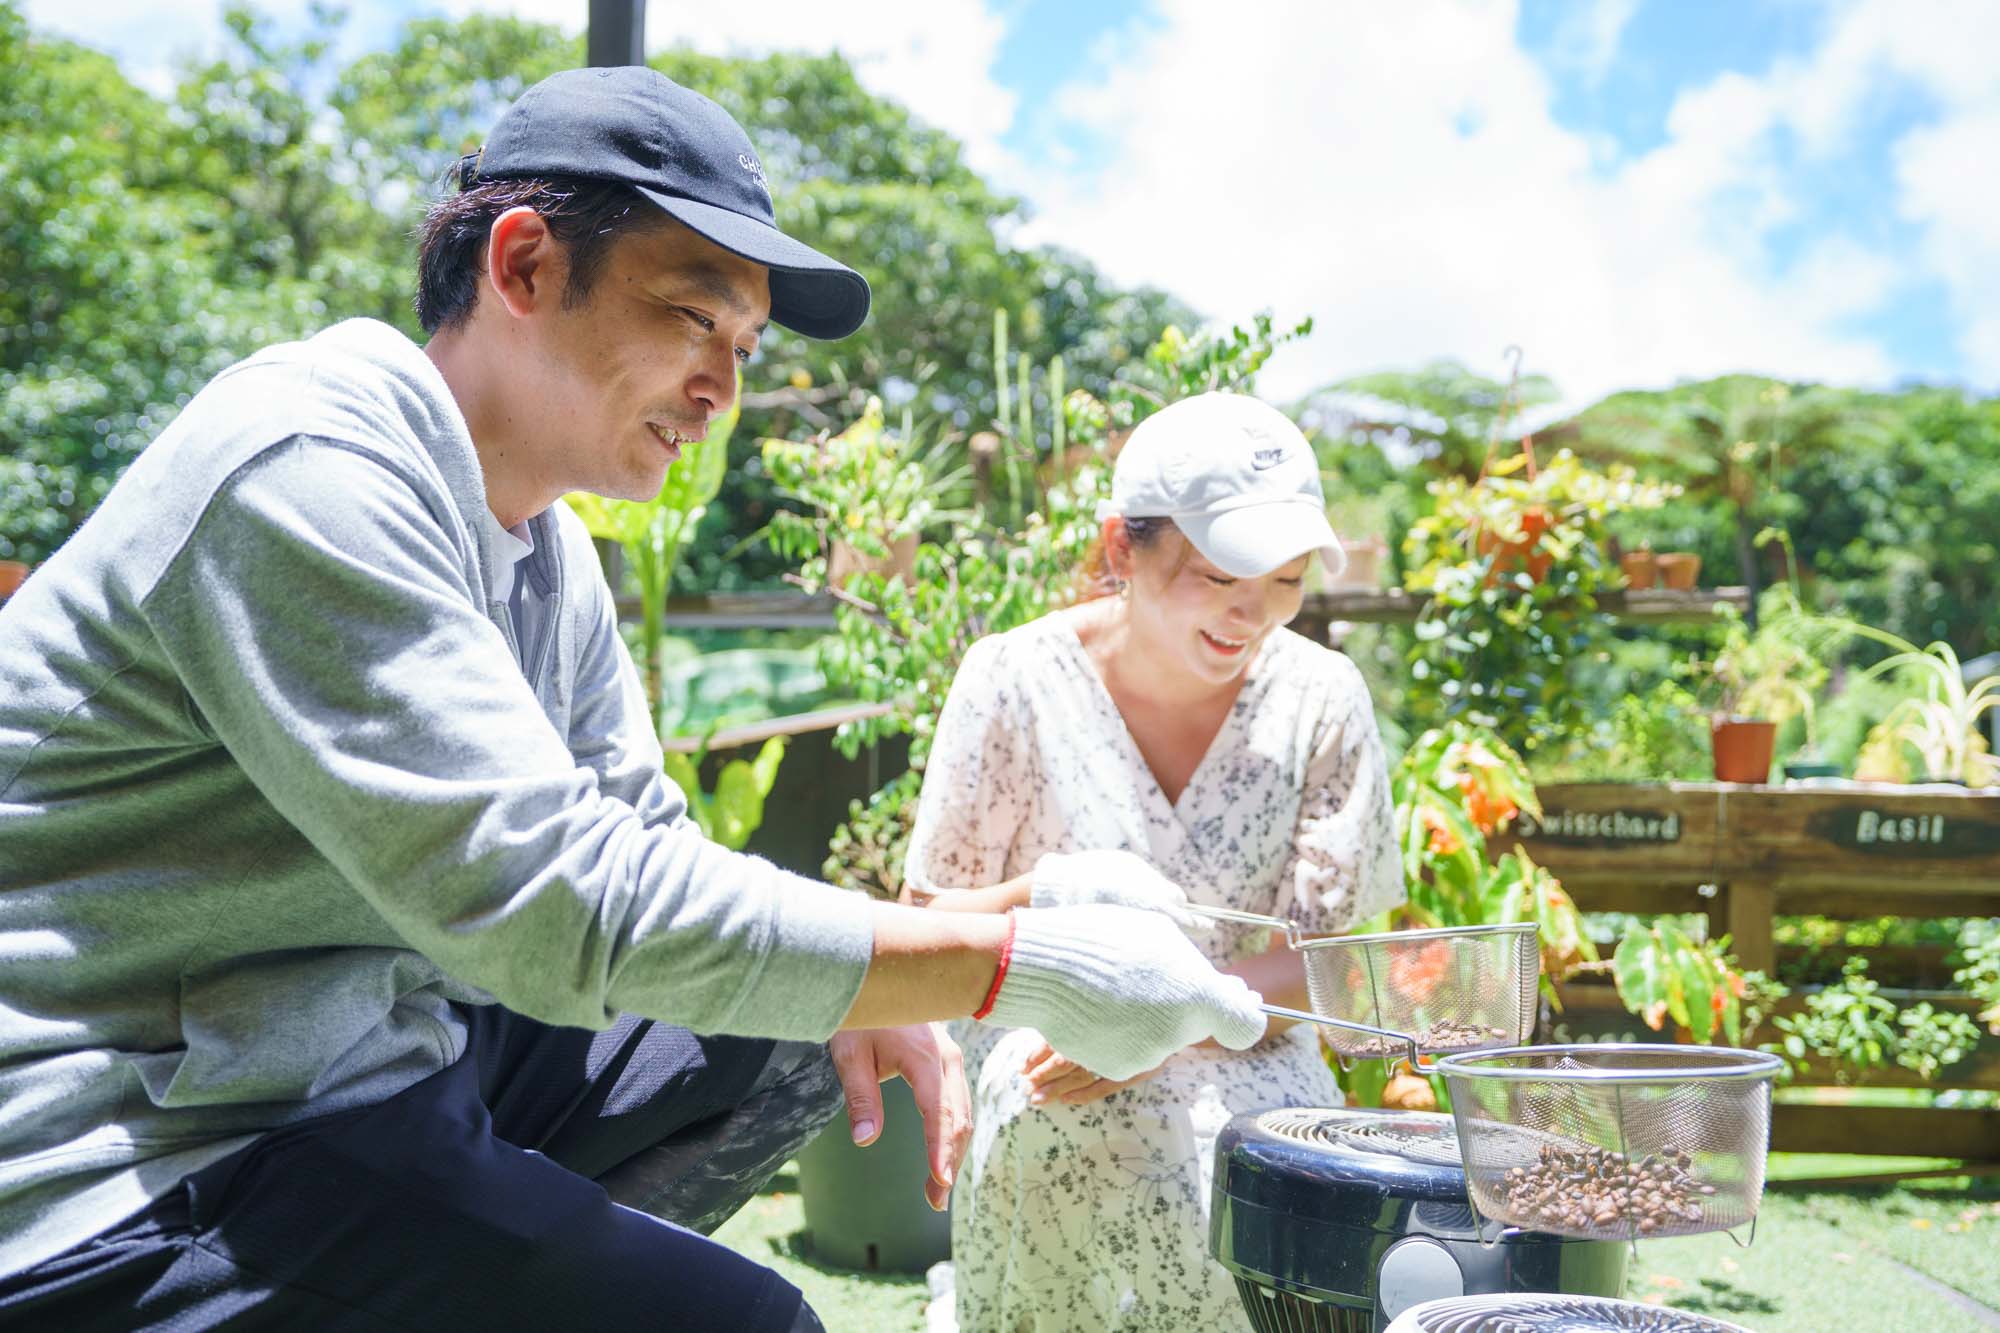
{"x": 1824, "y": 1258}
{"x": 771, "y": 1229}
{"x": 1834, "y": 1258}
{"x": 1784, "y": 1166}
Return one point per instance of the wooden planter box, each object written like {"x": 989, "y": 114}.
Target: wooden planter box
{"x": 1743, "y": 854}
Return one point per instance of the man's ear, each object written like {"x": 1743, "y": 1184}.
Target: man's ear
{"x": 522, "y": 262}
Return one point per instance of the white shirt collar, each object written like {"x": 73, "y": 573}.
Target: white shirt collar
{"x": 505, "y": 549}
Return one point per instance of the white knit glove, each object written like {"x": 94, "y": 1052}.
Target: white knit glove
{"x": 1118, "y": 990}
{"x": 1108, "y": 876}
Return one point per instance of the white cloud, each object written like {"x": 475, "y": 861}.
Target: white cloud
{"x": 1944, "y": 177}
{"x": 1395, "y": 171}
{"x": 149, "y": 37}
{"x": 1949, "y": 186}
{"x": 934, "y": 56}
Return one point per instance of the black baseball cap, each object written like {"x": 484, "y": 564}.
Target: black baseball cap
{"x": 683, "y": 153}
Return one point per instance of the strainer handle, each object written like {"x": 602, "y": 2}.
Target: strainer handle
{"x": 1290, "y": 927}
{"x": 1301, "y": 1016}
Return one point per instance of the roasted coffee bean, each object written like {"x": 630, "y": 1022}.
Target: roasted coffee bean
{"x": 1585, "y": 1188}
{"x": 1446, "y": 1034}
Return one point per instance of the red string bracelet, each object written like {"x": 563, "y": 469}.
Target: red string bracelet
{"x": 1000, "y": 972}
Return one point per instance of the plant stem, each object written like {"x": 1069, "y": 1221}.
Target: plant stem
{"x": 1059, "y": 428}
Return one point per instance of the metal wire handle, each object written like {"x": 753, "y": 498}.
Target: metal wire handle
{"x": 1296, "y": 940}
{"x": 1416, "y": 1059}
{"x": 1293, "y": 937}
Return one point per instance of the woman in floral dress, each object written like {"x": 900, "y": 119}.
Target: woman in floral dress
{"x": 1177, "y": 720}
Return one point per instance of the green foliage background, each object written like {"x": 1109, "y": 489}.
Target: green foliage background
{"x": 152, "y": 242}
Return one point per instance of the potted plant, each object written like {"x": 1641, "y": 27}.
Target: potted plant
{"x": 1519, "y": 525}
{"x": 1765, "y": 678}
{"x": 1936, "y": 736}
{"x": 1678, "y": 569}
{"x": 872, "y": 495}
{"x": 1365, "y": 557}
{"x": 865, "y": 1206}
{"x": 12, "y": 574}
{"x": 1499, "y": 632}
{"x": 1641, "y": 568}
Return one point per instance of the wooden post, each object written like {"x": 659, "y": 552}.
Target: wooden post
{"x": 617, "y": 32}
{"x": 1751, "y": 904}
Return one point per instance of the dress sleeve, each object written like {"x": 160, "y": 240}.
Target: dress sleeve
{"x": 976, "y": 780}
{"x": 1343, "y": 866}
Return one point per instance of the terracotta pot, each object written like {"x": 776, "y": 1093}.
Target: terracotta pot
{"x": 1364, "y": 563}
{"x": 843, "y": 561}
{"x": 1642, "y": 569}
{"x": 1526, "y": 554}
{"x": 1743, "y": 748}
{"x": 1678, "y": 569}
{"x": 12, "y": 574}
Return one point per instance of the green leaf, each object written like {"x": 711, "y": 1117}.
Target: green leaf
{"x": 1637, "y": 969}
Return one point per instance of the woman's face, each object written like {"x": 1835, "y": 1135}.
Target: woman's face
{"x": 1190, "y": 616}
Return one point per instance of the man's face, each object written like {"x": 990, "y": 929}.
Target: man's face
{"x": 646, "y": 362}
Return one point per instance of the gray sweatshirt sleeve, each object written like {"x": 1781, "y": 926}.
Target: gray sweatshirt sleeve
{"x": 322, "y": 623}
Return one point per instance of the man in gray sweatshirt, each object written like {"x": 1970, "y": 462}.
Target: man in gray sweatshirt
{"x": 353, "y": 946}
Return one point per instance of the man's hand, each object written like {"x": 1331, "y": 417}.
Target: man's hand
{"x": 929, "y": 1061}
{"x": 1118, "y": 990}
{"x": 1052, "y": 1077}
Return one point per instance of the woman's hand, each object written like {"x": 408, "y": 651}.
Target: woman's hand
{"x": 1003, "y": 897}
{"x": 1051, "y": 1077}
{"x": 1109, "y": 875}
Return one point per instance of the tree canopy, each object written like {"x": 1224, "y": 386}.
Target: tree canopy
{"x": 153, "y": 240}
{"x": 156, "y": 240}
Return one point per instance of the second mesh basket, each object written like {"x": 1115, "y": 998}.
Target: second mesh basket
{"x": 1614, "y": 1141}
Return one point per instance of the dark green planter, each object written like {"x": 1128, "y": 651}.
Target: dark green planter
{"x": 1803, "y": 769}
{"x": 865, "y": 1207}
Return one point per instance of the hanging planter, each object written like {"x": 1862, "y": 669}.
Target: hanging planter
{"x": 1527, "y": 554}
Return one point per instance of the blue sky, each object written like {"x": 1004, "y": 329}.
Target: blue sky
{"x": 1638, "y": 191}
{"x": 1661, "y": 49}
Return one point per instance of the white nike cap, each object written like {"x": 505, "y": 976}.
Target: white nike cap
{"x": 1236, "y": 477}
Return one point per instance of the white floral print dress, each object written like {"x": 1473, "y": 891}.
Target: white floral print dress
{"x": 1096, "y": 1216}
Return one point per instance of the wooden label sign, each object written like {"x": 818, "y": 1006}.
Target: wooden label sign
{"x": 1601, "y": 828}
{"x": 1930, "y": 834}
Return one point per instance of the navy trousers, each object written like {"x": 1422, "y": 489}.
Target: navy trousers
{"x": 553, "y": 1178}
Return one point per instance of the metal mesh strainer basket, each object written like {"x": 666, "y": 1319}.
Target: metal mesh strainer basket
{"x": 1412, "y": 993}
{"x": 1462, "y": 989}
{"x": 1615, "y": 1141}
{"x": 1525, "y": 1313}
